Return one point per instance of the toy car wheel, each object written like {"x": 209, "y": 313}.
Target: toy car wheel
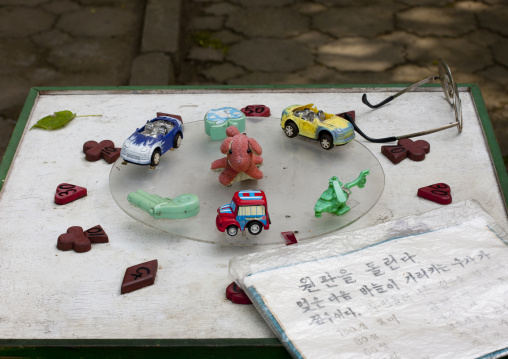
{"x": 291, "y": 129}
{"x": 156, "y": 158}
{"x": 326, "y": 141}
{"x": 255, "y": 228}
{"x": 232, "y": 230}
{"x": 178, "y": 140}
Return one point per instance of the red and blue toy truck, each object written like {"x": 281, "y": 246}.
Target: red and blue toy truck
{"x": 248, "y": 209}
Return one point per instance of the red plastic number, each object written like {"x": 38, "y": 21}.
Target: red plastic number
{"x": 105, "y": 149}
{"x": 289, "y": 237}
{"x": 66, "y": 192}
{"x": 139, "y": 276}
{"x": 439, "y": 193}
{"x": 406, "y": 148}
{"x": 256, "y": 111}
{"x": 79, "y": 240}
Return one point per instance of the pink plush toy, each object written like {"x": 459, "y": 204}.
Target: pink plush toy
{"x": 242, "y": 158}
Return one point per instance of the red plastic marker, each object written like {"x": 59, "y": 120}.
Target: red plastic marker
{"x": 139, "y": 276}
{"x": 416, "y": 150}
{"x": 289, "y": 237}
{"x": 179, "y": 118}
{"x": 439, "y": 193}
{"x": 256, "y": 111}
{"x": 235, "y": 294}
{"x": 105, "y": 149}
{"x": 97, "y": 235}
{"x": 66, "y": 192}
{"x": 74, "y": 239}
{"x": 350, "y": 114}
{"x": 79, "y": 240}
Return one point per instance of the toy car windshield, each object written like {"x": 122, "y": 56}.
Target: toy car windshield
{"x": 153, "y": 129}
{"x": 309, "y": 115}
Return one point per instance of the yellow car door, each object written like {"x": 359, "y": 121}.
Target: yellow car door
{"x": 308, "y": 127}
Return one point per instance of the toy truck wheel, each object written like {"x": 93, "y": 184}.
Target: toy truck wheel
{"x": 291, "y": 129}
{"x": 178, "y": 140}
{"x": 255, "y": 228}
{"x": 326, "y": 141}
{"x": 156, "y": 158}
{"x": 232, "y": 230}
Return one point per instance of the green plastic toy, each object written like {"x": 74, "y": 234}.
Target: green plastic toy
{"x": 183, "y": 206}
{"x": 217, "y": 120}
{"x": 334, "y": 199}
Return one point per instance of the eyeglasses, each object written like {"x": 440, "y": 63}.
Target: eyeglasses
{"x": 451, "y": 93}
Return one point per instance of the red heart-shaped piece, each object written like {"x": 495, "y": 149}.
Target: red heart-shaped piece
{"x": 235, "y": 294}
{"x": 439, "y": 193}
{"x": 66, "y": 192}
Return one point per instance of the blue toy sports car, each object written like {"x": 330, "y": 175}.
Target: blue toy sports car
{"x": 150, "y": 142}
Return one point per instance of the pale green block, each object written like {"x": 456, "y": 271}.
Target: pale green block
{"x": 238, "y": 123}
{"x": 218, "y": 120}
{"x": 218, "y": 132}
{"x": 208, "y": 125}
{"x": 146, "y": 201}
{"x": 183, "y": 206}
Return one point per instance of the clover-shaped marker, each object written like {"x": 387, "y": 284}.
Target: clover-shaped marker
{"x": 79, "y": 240}
{"x": 105, "y": 149}
{"x": 415, "y": 150}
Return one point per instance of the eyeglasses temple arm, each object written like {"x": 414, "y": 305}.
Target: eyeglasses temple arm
{"x": 370, "y": 139}
{"x": 395, "y": 138}
{"x": 409, "y": 88}
{"x": 422, "y": 133}
{"x": 365, "y": 101}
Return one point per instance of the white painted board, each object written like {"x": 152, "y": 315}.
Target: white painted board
{"x": 49, "y": 294}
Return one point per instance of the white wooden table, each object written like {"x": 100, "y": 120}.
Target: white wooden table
{"x": 49, "y": 295}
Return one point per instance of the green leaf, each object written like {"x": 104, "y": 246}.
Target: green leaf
{"x": 54, "y": 121}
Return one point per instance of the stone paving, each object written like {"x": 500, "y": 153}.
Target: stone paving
{"x": 63, "y": 43}
{"x": 246, "y": 42}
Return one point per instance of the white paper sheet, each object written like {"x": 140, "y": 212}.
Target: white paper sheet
{"x": 438, "y": 294}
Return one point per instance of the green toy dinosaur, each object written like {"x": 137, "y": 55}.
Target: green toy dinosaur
{"x": 334, "y": 198}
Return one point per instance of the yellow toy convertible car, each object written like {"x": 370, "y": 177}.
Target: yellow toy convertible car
{"x": 310, "y": 122}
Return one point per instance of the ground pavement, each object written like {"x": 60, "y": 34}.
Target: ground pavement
{"x": 244, "y": 42}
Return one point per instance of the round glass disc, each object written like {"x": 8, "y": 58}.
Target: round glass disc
{"x": 296, "y": 172}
